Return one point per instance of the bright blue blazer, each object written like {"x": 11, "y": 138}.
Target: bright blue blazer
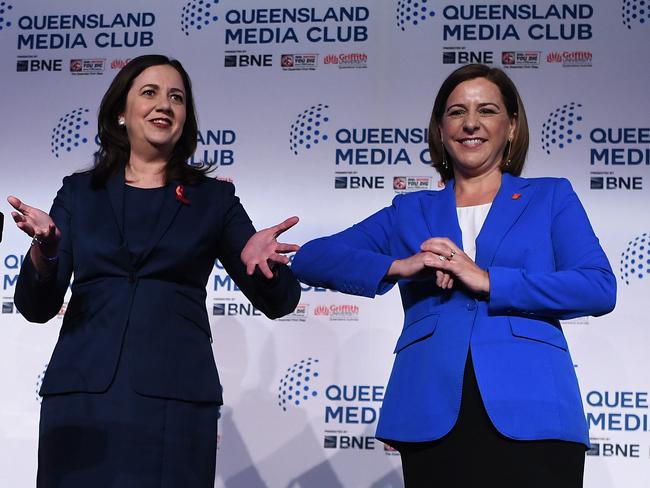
{"x": 545, "y": 264}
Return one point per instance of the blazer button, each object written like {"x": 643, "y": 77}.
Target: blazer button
{"x": 471, "y": 306}
{"x": 131, "y": 278}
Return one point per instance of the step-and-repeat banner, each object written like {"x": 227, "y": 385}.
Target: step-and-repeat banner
{"x": 320, "y": 109}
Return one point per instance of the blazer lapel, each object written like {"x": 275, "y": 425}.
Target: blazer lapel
{"x": 170, "y": 207}
{"x": 439, "y": 209}
{"x": 511, "y": 200}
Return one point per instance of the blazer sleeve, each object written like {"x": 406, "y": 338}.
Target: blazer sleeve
{"x": 582, "y": 283}
{"x": 274, "y": 297}
{"x": 354, "y": 261}
{"x": 37, "y": 299}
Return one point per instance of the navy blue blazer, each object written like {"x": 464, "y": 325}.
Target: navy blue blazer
{"x": 545, "y": 264}
{"x": 159, "y": 301}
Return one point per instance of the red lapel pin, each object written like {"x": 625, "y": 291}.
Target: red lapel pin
{"x": 180, "y": 195}
{"x": 516, "y": 196}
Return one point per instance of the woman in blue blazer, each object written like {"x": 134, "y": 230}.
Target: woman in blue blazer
{"x": 131, "y": 394}
{"x": 483, "y": 389}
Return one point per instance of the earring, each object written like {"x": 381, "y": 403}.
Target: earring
{"x": 121, "y": 122}
{"x": 508, "y": 156}
{"x": 445, "y": 165}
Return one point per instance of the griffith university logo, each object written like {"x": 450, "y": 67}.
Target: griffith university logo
{"x": 69, "y": 132}
{"x": 635, "y": 260}
{"x": 197, "y": 14}
{"x": 308, "y": 131}
{"x": 413, "y": 12}
{"x": 5, "y": 9}
{"x": 635, "y": 11}
{"x": 562, "y": 127}
{"x": 297, "y": 384}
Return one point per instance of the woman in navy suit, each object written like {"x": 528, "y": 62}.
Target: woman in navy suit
{"x": 131, "y": 394}
{"x": 483, "y": 389}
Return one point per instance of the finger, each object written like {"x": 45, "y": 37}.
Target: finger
{"x": 439, "y": 276}
{"x": 18, "y": 217}
{"x": 264, "y": 268}
{"x": 18, "y": 204}
{"x": 250, "y": 268}
{"x": 282, "y": 247}
{"x": 445, "y": 281}
{"x": 450, "y": 284}
{"x": 279, "y": 258}
{"x": 284, "y": 226}
{"x": 14, "y": 202}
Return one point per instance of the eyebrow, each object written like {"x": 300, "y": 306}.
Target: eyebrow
{"x": 153, "y": 85}
{"x": 480, "y": 105}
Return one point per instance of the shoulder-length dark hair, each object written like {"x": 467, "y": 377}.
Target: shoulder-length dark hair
{"x": 114, "y": 146}
{"x": 517, "y": 148}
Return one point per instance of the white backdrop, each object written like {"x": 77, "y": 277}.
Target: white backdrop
{"x": 359, "y": 78}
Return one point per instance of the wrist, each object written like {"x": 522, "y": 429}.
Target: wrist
{"x": 46, "y": 251}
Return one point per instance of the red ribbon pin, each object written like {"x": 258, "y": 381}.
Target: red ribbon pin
{"x": 180, "y": 195}
{"x": 516, "y": 196}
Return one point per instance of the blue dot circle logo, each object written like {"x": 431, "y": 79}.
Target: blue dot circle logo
{"x": 635, "y": 260}
{"x": 412, "y": 12}
{"x": 297, "y": 385}
{"x": 68, "y": 133}
{"x": 635, "y": 11}
{"x": 562, "y": 127}
{"x": 198, "y": 14}
{"x": 308, "y": 129}
{"x": 5, "y": 10}
{"x": 39, "y": 382}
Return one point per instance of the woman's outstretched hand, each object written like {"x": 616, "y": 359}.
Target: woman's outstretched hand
{"x": 263, "y": 249}
{"x": 36, "y": 223}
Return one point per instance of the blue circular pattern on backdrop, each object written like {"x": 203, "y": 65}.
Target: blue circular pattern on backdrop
{"x": 4, "y": 9}
{"x": 296, "y": 386}
{"x": 635, "y": 261}
{"x": 412, "y": 12}
{"x": 39, "y": 382}
{"x": 635, "y": 11}
{"x": 67, "y": 135}
{"x": 197, "y": 14}
{"x": 562, "y": 127}
{"x": 307, "y": 131}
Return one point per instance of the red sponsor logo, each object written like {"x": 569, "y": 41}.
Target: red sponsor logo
{"x": 347, "y": 60}
{"x": 119, "y": 63}
{"x": 337, "y": 310}
{"x": 569, "y": 57}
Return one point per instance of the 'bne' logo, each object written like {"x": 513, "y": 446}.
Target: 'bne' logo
{"x": 297, "y": 385}
{"x": 307, "y": 130}
{"x": 67, "y": 135}
{"x": 561, "y": 127}
{"x": 635, "y": 261}
{"x": 197, "y": 14}
{"x": 635, "y": 11}
{"x": 412, "y": 12}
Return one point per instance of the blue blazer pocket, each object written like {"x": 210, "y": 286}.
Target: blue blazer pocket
{"x": 548, "y": 332}
{"x": 192, "y": 309}
{"x": 417, "y": 326}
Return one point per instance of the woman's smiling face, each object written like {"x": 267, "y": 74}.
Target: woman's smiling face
{"x": 476, "y": 127}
